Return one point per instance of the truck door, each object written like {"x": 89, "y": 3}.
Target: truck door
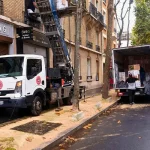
{"x": 35, "y": 75}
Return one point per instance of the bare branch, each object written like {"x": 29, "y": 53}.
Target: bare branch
{"x": 123, "y": 9}
{"x": 117, "y": 21}
{"x": 117, "y": 3}
{"x": 126, "y": 13}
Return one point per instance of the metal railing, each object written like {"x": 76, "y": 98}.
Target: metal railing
{"x": 89, "y": 77}
{"x": 97, "y": 48}
{"x": 74, "y": 2}
{"x": 93, "y": 10}
{"x": 100, "y": 17}
{"x": 89, "y": 44}
{"x": 105, "y": 26}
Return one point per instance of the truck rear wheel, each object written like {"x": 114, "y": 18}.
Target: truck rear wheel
{"x": 36, "y": 108}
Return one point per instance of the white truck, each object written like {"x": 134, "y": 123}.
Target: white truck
{"x": 122, "y": 58}
{"x": 26, "y": 83}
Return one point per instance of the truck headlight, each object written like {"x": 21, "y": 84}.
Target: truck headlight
{"x": 18, "y": 89}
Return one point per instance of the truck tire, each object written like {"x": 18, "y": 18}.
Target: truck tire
{"x": 36, "y": 108}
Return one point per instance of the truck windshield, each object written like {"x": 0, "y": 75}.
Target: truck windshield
{"x": 11, "y": 66}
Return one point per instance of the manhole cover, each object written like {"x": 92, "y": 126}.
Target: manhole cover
{"x": 37, "y": 127}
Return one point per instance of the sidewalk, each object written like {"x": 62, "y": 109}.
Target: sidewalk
{"x": 63, "y": 123}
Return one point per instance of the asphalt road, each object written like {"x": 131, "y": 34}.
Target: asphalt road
{"x": 125, "y": 127}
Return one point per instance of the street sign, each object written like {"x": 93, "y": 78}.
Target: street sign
{"x": 25, "y": 33}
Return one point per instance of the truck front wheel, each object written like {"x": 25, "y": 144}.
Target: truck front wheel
{"x": 36, "y": 108}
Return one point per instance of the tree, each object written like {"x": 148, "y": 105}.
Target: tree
{"x": 130, "y": 2}
{"x": 76, "y": 55}
{"x": 110, "y": 9}
{"x": 120, "y": 17}
{"x": 141, "y": 30}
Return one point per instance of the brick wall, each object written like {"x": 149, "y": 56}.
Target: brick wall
{"x": 14, "y": 9}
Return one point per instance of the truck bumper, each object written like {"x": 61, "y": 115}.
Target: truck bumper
{"x": 11, "y": 103}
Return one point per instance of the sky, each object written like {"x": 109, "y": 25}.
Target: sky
{"x": 132, "y": 15}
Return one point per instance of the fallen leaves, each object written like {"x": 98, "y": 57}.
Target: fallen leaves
{"x": 29, "y": 139}
{"x": 119, "y": 122}
{"x": 87, "y": 126}
{"x": 70, "y": 139}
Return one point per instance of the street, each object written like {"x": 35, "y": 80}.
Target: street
{"x": 126, "y": 127}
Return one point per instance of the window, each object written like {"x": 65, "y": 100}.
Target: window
{"x": 97, "y": 38}
{"x": 34, "y": 67}
{"x": 89, "y": 68}
{"x": 97, "y": 70}
{"x": 11, "y": 66}
{"x": 104, "y": 14}
{"x": 97, "y": 4}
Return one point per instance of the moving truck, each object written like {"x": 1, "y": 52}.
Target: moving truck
{"x": 131, "y": 60}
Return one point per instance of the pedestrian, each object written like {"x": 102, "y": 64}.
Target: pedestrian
{"x": 33, "y": 8}
{"x": 147, "y": 90}
{"x": 131, "y": 87}
{"x": 32, "y": 5}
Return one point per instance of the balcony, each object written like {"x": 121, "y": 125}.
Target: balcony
{"x": 94, "y": 19}
{"x": 93, "y": 10}
{"x": 89, "y": 78}
{"x": 97, "y": 48}
{"x": 74, "y": 2}
{"x": 100, "y": 17}
{"x": 105, "y": 26}
{"x": 89, "y": 44}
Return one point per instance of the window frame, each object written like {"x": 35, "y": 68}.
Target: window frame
{"x": 38, "y": 72}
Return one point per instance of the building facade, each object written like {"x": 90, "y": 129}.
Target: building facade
{"x": 13, "y": 15}
{"x": 124, "y": 39}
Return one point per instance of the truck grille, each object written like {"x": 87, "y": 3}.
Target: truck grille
{"x": 3, "y": 93}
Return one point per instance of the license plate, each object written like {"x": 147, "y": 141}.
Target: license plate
{"x": 1, "y": 102}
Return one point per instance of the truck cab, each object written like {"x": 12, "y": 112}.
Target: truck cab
{"x": 22, "y": 82}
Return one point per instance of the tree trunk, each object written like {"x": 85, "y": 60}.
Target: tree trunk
{"x": 76, "y": 55}
{"x": 108, "y": 50}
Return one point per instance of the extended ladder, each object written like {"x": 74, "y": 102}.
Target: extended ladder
{"x": 54, "y": 32}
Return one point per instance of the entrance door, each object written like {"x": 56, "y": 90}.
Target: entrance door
{"x": 4, "y": 49}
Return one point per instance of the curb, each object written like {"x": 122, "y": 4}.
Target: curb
{"x": 50, "y": 145}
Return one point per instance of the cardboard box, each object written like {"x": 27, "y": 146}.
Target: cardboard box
{"x": 135, "y": 73}
{"x": 122, "y": 76}
{"x": 134, "y": 67}
{"x": 137, "y": 83}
